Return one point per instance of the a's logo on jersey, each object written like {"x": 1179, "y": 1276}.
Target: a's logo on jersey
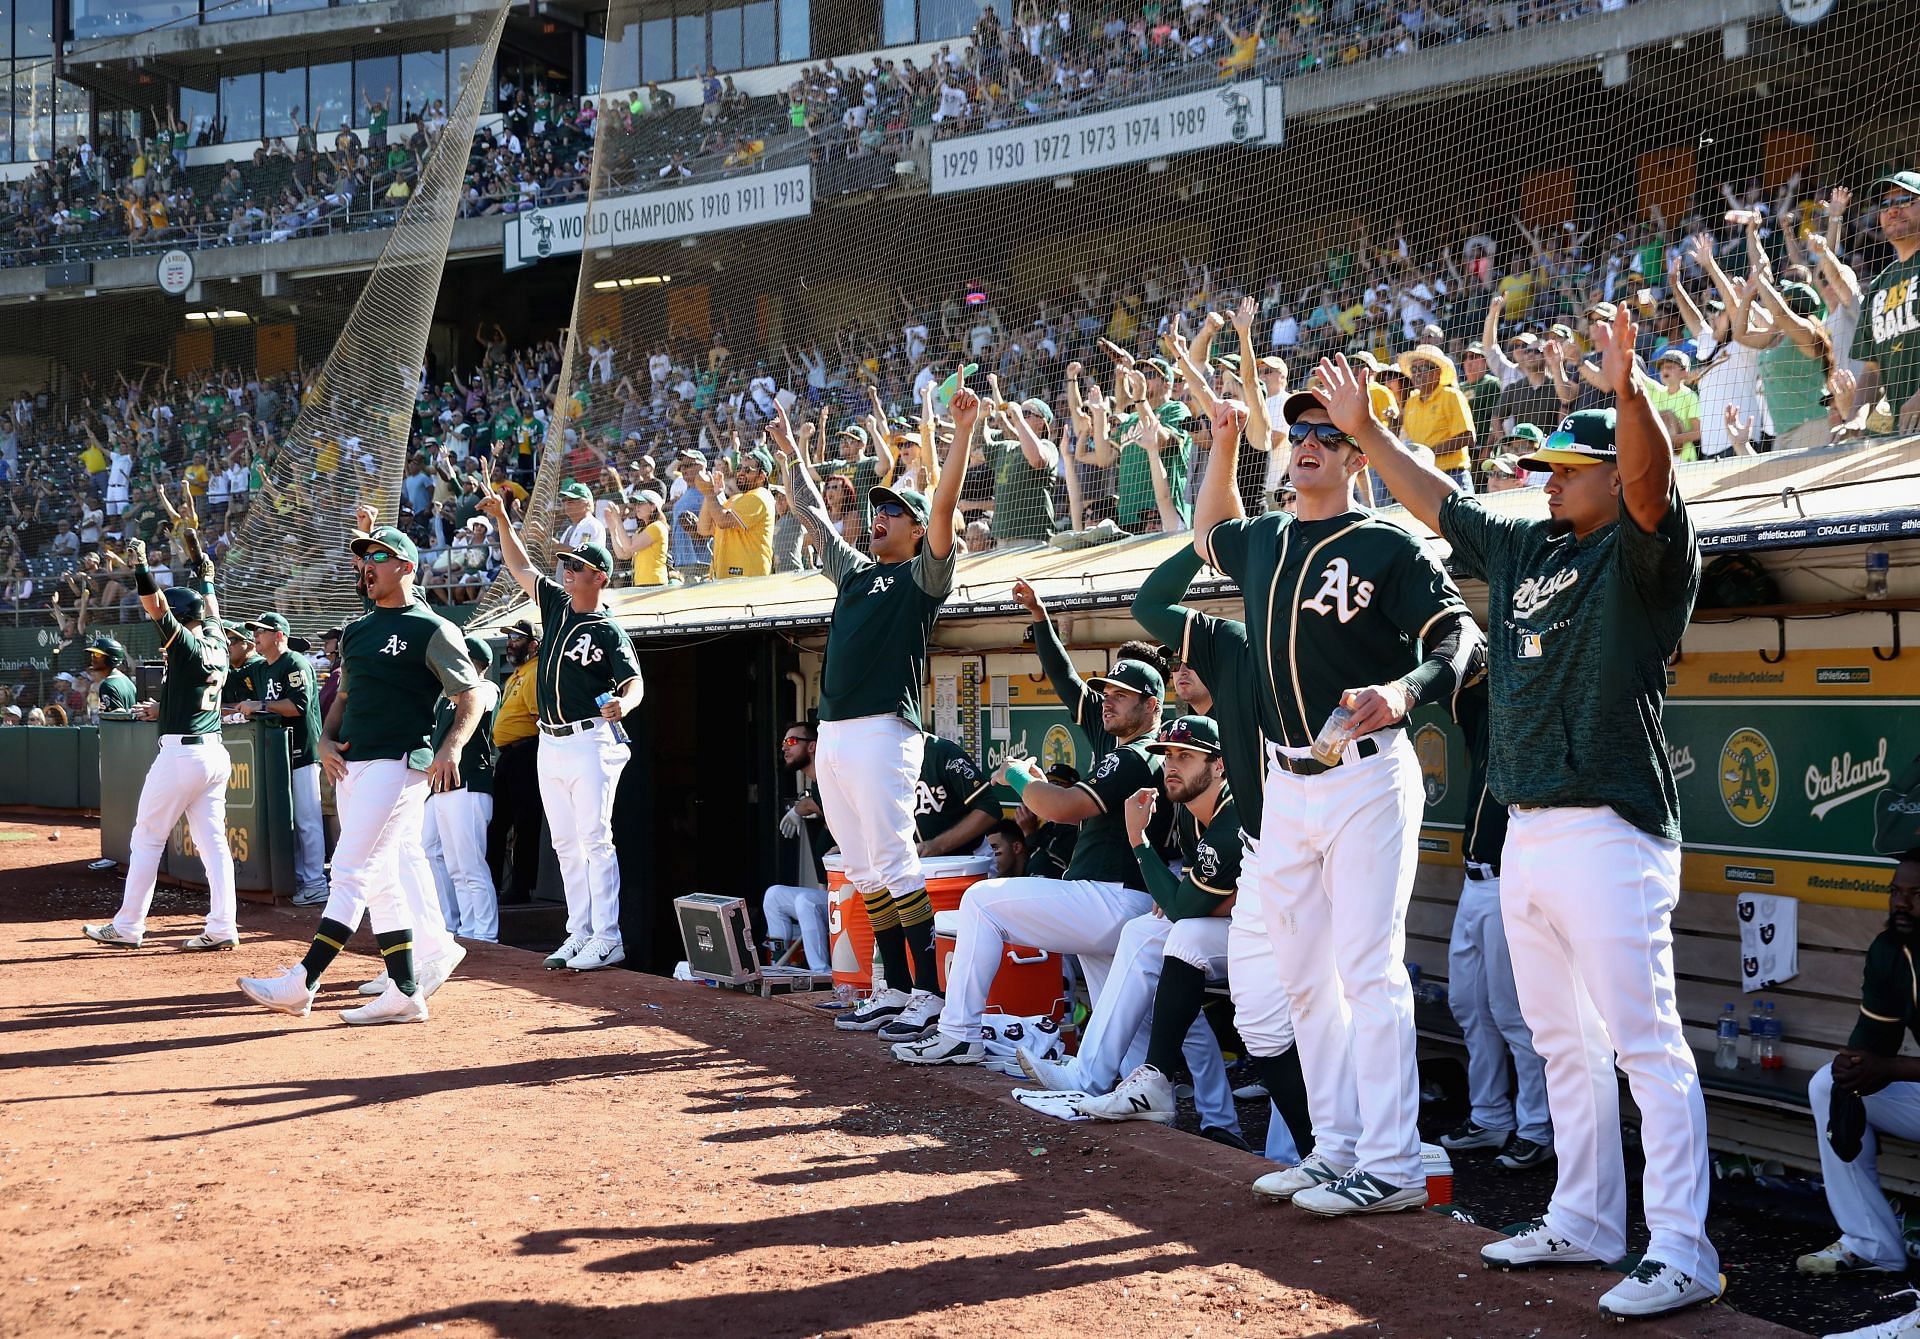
{"x": 1536, "y": 593}
{"x": 1749, "y": 777}
{"x": 394, "y": 646}
{"x": 272, "y": 694}
{"x": 1341, "y": 593}
{"x": 881, "y": 585}
{"x": 1206, "y": 864}
{"x": 583, "y": 651}
{"x": 928, "y": 799}
{"x": 1108, "y": 766}
{"x": 1430, "y": 747}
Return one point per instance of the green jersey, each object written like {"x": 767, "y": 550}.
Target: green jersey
{"x": 394, "y": 664}
{"x": 1889, "y": 997}
{"x": 242, "y": 683}
{"x": 1101, "y": 851}
{"x": 1483, "y": 399}
{"x": 1579, "y": 632}
{"x": 117, "y": 693}
{"x": 196, "y": 661}
{"x": 291, "y": 679}
{"x": 1888, "y": 335}
{"x": 950, "y": 786}
{"x": 882, "y": 620}
{"x": 1022, "y": 495}
{"x": 1133, "y": 482}
{"x": 581, "y": 657}
{"x": 1221, "y": 654}
{"x": 1050, "y": 850}
{"x": 1331, "y": 605}
{"x": 477, "y": 759}
{"x": 1486, "y": 832}
{"x": 1210, "y": 863}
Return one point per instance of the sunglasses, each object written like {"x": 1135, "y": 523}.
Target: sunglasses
{"x": 1324, "y": 433}
{"x": 573, "y": 565}
{"x": 1896, "y": 201}
{"x": 791, "y": 740}
{"x": 382, "y": 556}
{"x": 891, "y": 509}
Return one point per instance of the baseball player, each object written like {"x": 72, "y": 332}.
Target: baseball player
{"x": 871, "y": 745}
{"x": 588, "y": 680}
{"x": 1209, "y": 834}
{"x": 454, "y": 832}
{"x": 1585, "y": 609}
{"x": 1339, "y": 608}
{"x": 516, "y": 772}
{"x": 792, "y": 910}
{"x": 242, "y": 663}
{"x": 288, "y": 693}
{"x": 1480, "y": 988}
{"x": 189, "y": 774}
{"x": 1085, "y": 911}
{"x": 108, "y": 687}
{"x": 395, "y": 661}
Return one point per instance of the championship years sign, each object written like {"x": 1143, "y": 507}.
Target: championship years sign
{"x": 659, "y": 215}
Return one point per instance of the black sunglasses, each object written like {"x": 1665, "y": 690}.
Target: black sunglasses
{"x": 1896, "y": 201}
{"x": 891, "y": 509}
{"x": 573, "y": 565}
{"x": 1325, "y": 433}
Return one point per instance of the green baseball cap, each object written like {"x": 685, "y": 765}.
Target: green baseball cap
{"x": 855, "y": 431}
{"x": 1160, "y": 367}
{"x": 593, "y": 555}
{"x": 1195, "y": 733}
{"x": 480, "y": 653}
{"x": 1038, "y": 408}
{"x": 1529, "y": 433}
{"x": 1801, "y": 300}
{"x": 758, "y": 458}
{"x": 1136, "y": 676}
{"x": 271, "y": 623}
{"x": 236, "y": 632}
{"x": 573, "y": 488}
{"x": 1583, "y": 438}
{"x": 915, "y": 503}
{"x": 1906, "y": 181}
{"x": 392, "y": 540}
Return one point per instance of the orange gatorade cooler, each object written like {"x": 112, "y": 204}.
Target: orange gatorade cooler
{"x": 1028, "y": 981}
{"x": 848, "y": 928}
{"x": 1439, "y": 1169}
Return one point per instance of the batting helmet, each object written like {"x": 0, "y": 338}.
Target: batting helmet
{"x": 111, "y": 653}
{"x": 185, "y": 605}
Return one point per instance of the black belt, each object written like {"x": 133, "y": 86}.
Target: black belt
{"x": 1365, "y": 748}
{"x": 1484, "y": 873}
{"x": 570, "y": 728}
{"x": 195, "y": 739}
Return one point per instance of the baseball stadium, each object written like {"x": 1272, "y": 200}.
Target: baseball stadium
{"x": 979, "y": 666}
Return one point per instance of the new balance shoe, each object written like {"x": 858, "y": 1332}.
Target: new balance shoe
{"x": 1144, "y": 1094}
{"x": 1532, "y": 1247}
{"x": 875, "y": 1013}
{"x": 109, "y": 935}
{"x": 917, "y": 1020}
{"x": 288, "y": 993}
{"x": 311, "y": 897}
{"x": 939, "y": 1050}
{"x": 1054, "y": 1075}
{"x": 1523, "y": 1155}
{"x": 434, "y": 975}
{"x": 1311, "y": 1171}
{"x": 392, "y": 1006}
{"x": 375, "y": 986}
{"x": 1471, "y": 1136}
{"x": 597, "y": 954}
{"x": 1836, "y": 1261}
{"x": 1654, "y": 1289}
{"x": 1360, "y": 1192}
{"x": 208, "y": 944}
{"x": 563, "y": 955}
{"x": 1900, "y": 1327}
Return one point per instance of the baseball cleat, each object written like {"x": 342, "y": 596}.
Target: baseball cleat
{"x": 1836, "y": 1261}
{"x": 434, "y": 975}
{"x": 1532, "y": 1247}
{"x": 1053, "y": 1075}
{"x": 1523, "y": 1155}
{"x": 875, "y": 1013}
{"x": 311, "y": 897}
{"x": 1283, "y": 1185}
{"x": 391, "y": 1007}
{"x": 1654, "y": 1289}
{"x": 375, "y": 986}
{"x": 110, "y": 936}
{"x": 596, "y": 954}
{"x": 563, "y": 955}
{"x": 1144, "y": 1094}
{"x": 1471, "y": 1136}
{"x": 1900, "y": 1327}
{"x": 939, "y": 1050}
{"x": 288, "y": 992}
{"x": 208, "y": 944}
{"x": 1360, "y": 1192}
{"x": 917, "y": 1020}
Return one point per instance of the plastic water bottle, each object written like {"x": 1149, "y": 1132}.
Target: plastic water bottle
{"x": 1770, "y": 1057}
{"x": 1727, "y": 1054}
{"x": 619, "y": 730}
{"x": 1877, "y": 565}
{"x": 1757, "y": 1034}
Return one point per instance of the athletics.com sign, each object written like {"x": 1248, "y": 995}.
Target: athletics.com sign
{"x": 659, "y": 215}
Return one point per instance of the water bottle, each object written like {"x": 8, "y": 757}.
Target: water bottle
{"x": 1727, "y": 1054}
{"x": 1877, "y": 563}
{"x": 1757, "y": 1034}
{"x": 1770, "y": 1051}
{"x": 619, "y": 730}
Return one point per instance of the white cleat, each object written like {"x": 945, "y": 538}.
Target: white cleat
{"x": 939, "y": 1050}
{"x": 563, "y": 955}
{"x": 1144, "y": 1094}
{"x": 288, "y": 993}
{"x": 1284, "y": 1184}
{"x": 110, "y": 936}
{"x": 595, "y": 954}
{"x": 1900, "y": 1327}
{"x": 434, "y": 975}
{"x": 1533, "y": 1247}
{"x": 1053, "y": 1075}
{"x": 915, "y": 1022}
{"x": 1654, "y": 1289}
{"x": 391, "y": 1007}
{"x": 375, "y": 986}
{"x": 1360, "y": 1192}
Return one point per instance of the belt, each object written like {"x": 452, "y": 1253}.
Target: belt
{"x": 188, "y": 739}
{"x": 570, "y": 728}
{"x": 1364, "y": 748}
{"x": 1480, "y": 872}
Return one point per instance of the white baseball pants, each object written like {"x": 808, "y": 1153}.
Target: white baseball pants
{"x": 454, "y": 838}
{"x": 866, "y": 770}
{"x": 1481, "y": 994}
{"x": 1260, "y": 1013}
{"x": 380, "y": 803}
{"x": 579, "y": 774}
{"x": 188, "y": 779}
{"x": 1588, "y": 903}
{"x": 790, "y": 910}
{"x": 1116, "y": 1036}
{"x": 1854, "y": 1197}
{"x": 1078, "y": 916}
{"x": 309, "y": 831}
{"x": 1333, "y": 874}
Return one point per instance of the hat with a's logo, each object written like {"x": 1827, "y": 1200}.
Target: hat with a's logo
{"x": 576, "y": 490}
{"x": 1583, "y": 438}
{"x": 1136, "y": 676}
{"x": 593, "y": 555}
{"x": 270, "y": 623}
{"x": 1196, "y": 734}
{"x": 915, "y": 503}
{"x": 388, "y": 539}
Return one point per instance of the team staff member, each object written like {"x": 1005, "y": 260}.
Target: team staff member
{"x": 285, "y": 689}
{"x": 588, "y": 680}
{"x": 454, "y": 833}
{"x": 189, "y": 774}
{"x": 1586, "y": 607}
{"x": 1338, "y": 607}
{"x": 870, "y": 745}
{"x": 395, "y": 661}
{"x": 109, "y": 689}
{"x": 737, "y": 514}
{"x": 242, "y": 662}
{"x": 1085, "y": 911}
{"x": 516, "y": 776}
{"x": 792, "y": 910}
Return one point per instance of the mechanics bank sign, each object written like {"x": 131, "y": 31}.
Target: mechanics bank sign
{"x": 659, "y": 215}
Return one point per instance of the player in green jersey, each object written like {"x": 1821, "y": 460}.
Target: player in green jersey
{"x": 285, "y": 690}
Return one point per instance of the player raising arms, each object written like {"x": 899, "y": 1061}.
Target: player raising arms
{"x": 1584, "y": 609}
{"x": 871, "y": 745}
